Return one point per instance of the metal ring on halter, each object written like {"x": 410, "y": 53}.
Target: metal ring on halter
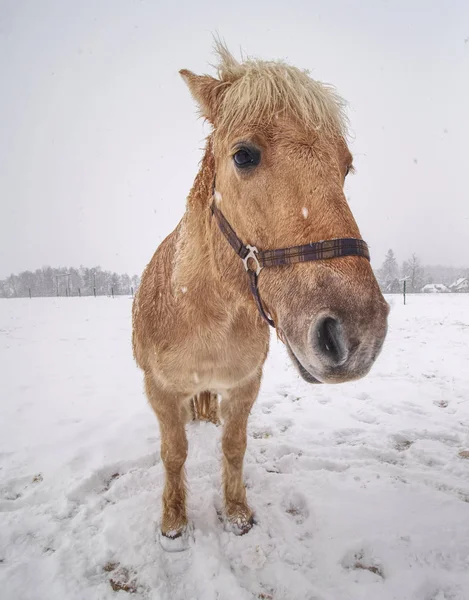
{"x": 252, "y": 254}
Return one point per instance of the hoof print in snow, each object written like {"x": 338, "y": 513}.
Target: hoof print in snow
{"x": 110, "y": 481}
{"x": 372, "y": 568}
{"x": 122, "y": 580}
{"x": 359, "y": 561}
{"x": 441, "y": 403}
{"x": 119, "y": 586}
{"x": 38, "y": 478}
{"x": 12, "y": 495}
{"x": 295, "y": 505}
{"x": 464, "y": 454}
{"x": 402, "y": 445}
{"x": 261, "y": 435}
{"x": 296, "y": 514}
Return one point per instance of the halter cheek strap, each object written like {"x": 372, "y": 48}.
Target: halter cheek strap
{"x": 254, "y": 260}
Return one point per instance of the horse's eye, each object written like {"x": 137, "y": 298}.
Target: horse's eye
{"x": 347, "y": 171}
{"x": 246, "y": 157}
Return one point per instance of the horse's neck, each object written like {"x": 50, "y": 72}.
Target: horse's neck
{"x": 193, "y": 264}
{"x": 202, "y": 255}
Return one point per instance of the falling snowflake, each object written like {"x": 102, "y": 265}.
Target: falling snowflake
{"x": 217, "y": 196}
{"x": 183, "y": 289}
{"x": 304, "y": 210}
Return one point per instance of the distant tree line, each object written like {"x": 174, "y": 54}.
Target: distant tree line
{"x": 86, "y": 281}
{"x": 69, "y": 281}
{"x": 391, "y": 276}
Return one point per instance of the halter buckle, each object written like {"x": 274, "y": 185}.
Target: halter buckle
{"x": 252, "y": 255}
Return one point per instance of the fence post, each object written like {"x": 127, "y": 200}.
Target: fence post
{"x": 404, "y": 290}
{"x": 79, "y": 292}
{"x": 132, "y": 291}
{"x": 94, "y": 292}
{"x": 112, "y": 291}
{"x": 30, "y": 293}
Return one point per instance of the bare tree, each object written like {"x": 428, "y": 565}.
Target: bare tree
{"x": 388, "y": 274}
{"x": 412, "y": 269}
{"x": 64, "y": 281}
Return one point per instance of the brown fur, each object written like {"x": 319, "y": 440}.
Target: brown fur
{"x": 205, "y": 408}
{"x": 196, "y": 330}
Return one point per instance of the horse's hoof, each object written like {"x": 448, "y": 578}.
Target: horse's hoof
{"x": 240, "y": 525}
{"x": 174, "y": 541}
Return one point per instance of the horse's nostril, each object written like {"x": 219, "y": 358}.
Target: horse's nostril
{"x": 329, "y": 341}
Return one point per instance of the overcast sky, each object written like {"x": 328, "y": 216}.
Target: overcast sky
{"x": 99, "y": 139}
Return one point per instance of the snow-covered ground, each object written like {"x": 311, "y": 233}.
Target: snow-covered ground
{"x": 361, "y": 491}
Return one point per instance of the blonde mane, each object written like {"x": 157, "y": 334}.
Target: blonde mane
{"x": 259, "y": 91}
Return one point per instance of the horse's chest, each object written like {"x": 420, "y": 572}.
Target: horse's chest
{"x": 205, "y": 361}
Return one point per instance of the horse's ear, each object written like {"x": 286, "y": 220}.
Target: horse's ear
{"x": 206, "y": 91}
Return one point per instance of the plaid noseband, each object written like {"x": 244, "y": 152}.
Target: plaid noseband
{"x": 255, "y": 260}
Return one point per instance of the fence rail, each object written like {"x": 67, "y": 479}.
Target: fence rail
{"x": 69, "y": 293}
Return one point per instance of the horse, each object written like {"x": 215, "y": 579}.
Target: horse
{"x": 267, "y": 239}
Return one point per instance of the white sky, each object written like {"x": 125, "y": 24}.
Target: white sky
{"x": 99, "y": 140}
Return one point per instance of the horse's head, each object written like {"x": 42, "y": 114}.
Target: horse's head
{"x": 281, "y": 159}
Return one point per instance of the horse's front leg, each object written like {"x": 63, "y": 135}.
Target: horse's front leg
{"x": 172, "y": 416}
{"x": 235, "y": 410}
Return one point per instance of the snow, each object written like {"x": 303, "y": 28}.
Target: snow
{"x": 361, "y": 491}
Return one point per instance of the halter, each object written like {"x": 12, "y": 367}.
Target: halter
{"x": 255, "y": 260}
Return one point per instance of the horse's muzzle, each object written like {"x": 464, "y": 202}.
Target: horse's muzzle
{"x": 334, "y": 351}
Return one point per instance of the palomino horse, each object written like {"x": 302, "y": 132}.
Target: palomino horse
{"x": 249, "y": 251}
